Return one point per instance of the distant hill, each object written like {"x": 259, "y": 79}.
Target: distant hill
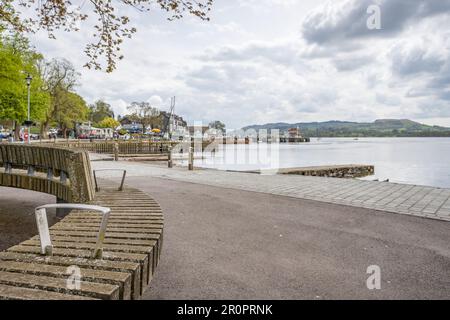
{"x": 378, "y": 128}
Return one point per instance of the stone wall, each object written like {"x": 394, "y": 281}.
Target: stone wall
{"x": 336, "y": 171}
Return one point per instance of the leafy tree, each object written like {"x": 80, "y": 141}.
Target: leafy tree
{"x": 17, "y": 59}
{"x": 123, "y": 132}
{"x": 71, "y": 110}
{"x": 99, "y": 111}
{"x": 218, "y": 125}
{"x": 109, "y": 31}
{"x": 109, "y": 123}
{"x": 145, "y": 114}
{"x": 59, "y": 77}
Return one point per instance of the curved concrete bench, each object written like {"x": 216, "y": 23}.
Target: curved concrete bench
{"x": 131, "y": 251}
{"x": 63, "y": 173}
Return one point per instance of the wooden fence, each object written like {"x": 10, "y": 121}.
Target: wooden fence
{"x": 124, "y": 147}
{"x": 139, "y": 147}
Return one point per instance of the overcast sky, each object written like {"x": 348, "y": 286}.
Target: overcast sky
{"x": 261, "y": 61}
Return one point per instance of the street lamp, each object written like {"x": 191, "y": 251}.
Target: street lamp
{"x": 28, "y": 122}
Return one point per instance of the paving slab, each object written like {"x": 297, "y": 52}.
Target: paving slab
{"x": 424, "y": 201}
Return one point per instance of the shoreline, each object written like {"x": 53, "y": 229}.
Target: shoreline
{"x": 396, "y": 198}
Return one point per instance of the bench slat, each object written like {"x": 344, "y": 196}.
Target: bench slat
{"x": 89, "y": 289}
{"x": 19, "y": 293}
{"x": 123, "y": 280}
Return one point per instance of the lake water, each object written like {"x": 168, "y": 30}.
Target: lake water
{"x": 423, "y": 161}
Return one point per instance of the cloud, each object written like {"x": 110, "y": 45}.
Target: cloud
{"x": 352, "y": 62}
{"x": 419, "y": 55}
{"x": 338, "y": 21}
{"x": 264, "y": 61}
{"x": 155, "y": 101}
{"x": 281, "y": 52}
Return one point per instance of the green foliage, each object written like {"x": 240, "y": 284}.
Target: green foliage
{"x": 109, "y": 123}
{"x": 17, "y": 60}
{"x": 99, "y": 111}
{"x": 218, "y": 125}
{"x": 145, "y": 114}
{"x": 71, "y": 109}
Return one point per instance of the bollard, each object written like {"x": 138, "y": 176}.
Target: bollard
{"x": 191, "y": 159}
{"x": 169, "y": 158}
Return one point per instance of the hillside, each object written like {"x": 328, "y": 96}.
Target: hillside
{"x": 378, "y": 128}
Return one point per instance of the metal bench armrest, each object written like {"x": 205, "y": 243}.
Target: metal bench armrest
{"x": 97, "y": 188}
{"x": 44, "y": 232}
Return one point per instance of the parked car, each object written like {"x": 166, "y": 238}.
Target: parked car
{"x": 4, "y": 134}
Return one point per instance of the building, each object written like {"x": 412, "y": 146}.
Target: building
{"x": 130, "y": 125}
{"x": 86, "y": 131}
{"x": 172, "y": 125}
{"x": 175, "y": 127}
{"x": 294, "y": 133}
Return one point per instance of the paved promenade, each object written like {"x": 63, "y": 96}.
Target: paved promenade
{"x": 222, "y": 243}
{"x": 422, "y": 201}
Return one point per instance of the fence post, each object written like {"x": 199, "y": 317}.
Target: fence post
{"x": 116, "y": 151}
{"x": 191, "y": 159}
{"x": 169, "y": 158}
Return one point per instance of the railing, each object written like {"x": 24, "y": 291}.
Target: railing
{"x": 123, "y": 147}
{"x": 133, "y": 147}
{"x": 97, "y": 187}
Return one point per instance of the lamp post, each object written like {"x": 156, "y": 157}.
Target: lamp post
{"x": 28, "y": 122}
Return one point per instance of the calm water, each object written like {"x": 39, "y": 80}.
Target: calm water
{"x": 424, "y": 161}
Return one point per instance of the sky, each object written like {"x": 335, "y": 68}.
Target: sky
{"x": 261, "y": 61}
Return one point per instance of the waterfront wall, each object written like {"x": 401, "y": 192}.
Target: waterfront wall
{"x": 336, "y": 171}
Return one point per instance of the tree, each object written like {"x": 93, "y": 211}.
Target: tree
{"x": 109, "y": 123}
{"x": 218, "y": 125}
{"x": 71, "y": 110}
{"x": 60, "y": 77}
{"x": 17, "y": 59}
{"x": 109, "y": 31}
{"x": 99, "y": 111}
{"x": 145, "y": 114}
